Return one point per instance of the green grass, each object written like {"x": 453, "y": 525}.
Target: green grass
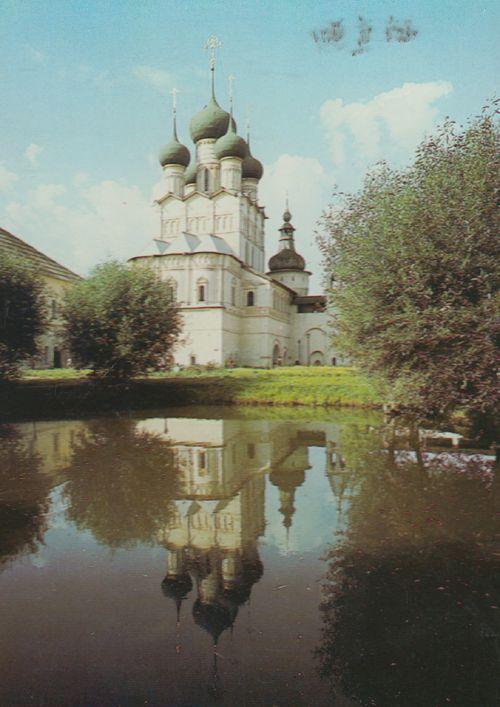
{"x": 297, "y": 385}
{"x": 54, "y": 373}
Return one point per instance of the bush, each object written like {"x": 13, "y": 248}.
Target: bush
{"x": 22, "y": 314}
{"x": 120, "y": 321}
{"x": 416, "y": 261}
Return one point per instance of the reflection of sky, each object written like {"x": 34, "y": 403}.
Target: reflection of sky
{"x": 315, "y": 518}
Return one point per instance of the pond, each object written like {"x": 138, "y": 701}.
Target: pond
{"x": 199, "y": 556}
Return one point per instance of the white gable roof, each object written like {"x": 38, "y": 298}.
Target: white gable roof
{"x": 187, "y": 243}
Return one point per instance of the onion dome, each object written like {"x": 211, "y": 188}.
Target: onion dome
{"x": 210, "y": 122}
{"x": 286, "y": 260}
{"x": 231, "y": 144}
{"x": 190, "y": 173}
{"x": 251, "y": 167}
{"x": 287, "y": 257}
{"x": 174, "y": 152}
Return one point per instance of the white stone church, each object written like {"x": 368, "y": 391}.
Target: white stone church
{"x": 210, "y": 249}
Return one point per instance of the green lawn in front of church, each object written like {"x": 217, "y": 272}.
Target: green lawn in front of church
{"x": 294, "y": 385}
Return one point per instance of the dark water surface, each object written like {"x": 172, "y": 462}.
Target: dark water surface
{"x": 236, "y": 557}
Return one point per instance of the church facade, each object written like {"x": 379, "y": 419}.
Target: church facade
{"x": 210, "y": 249}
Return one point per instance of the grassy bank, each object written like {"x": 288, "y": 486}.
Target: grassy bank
{"x": 314, "y": 386}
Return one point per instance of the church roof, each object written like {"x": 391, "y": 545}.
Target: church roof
{"x": 187, "y": 243}
{"x": 12, "y": 245}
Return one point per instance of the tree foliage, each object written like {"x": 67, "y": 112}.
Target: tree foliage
{"x": 416, "y": 265}
{"x": 22, "y": 313}
{"x": 120, "y": 321}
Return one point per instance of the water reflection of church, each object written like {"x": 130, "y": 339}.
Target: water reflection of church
{"x": 212, "y": 536}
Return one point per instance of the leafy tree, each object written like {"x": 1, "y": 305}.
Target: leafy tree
{"x": 22, "y": 313}
{"x": 121, "y": 483}
{"x": 410, "y": 612}
{"x": 120, "y": 321}
{"x": 415, "y": 259}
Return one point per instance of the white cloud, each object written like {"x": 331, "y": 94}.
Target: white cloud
{"x": 309, "y": 188}
{"x": 102, "y": 220}
{"x": 32, "y": 152}
{"x": 389, "y": 125}
{"x": 159, "y": 79}
{"x": 7, "y": 178}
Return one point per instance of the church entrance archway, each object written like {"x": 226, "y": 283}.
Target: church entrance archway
{"x": 276, "y": 355}
{"x": 316, "y": 358}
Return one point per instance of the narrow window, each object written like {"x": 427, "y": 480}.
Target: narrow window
{"x": 250, "y": 299}
{"x": 206, "y": 180}
{"x": 54, "y": 309}
{"x": 233, "y": 296}
{"x": 201, "y": 293}
{"x": 192, "y": 360}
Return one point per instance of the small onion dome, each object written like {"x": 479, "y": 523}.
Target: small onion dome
{"x": 286, "y": 259}
{"x": 210, "y": 122}
{"x": 230, "y": 144}
{"x": 190, "y": 173}
{"x": 174, "y": 153}
{"x": 251, "y": 168}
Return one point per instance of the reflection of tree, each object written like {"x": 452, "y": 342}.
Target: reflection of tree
{"x": 121, "y": 482}
{"x": 409, "y": 590}
{"x": 23, "y": 497}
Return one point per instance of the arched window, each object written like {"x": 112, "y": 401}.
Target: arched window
{"x": 250, "y": 299}
{"x": 202, "y": 290}
{"x": 206, "y": 180}
{"x": 172, "y": 290}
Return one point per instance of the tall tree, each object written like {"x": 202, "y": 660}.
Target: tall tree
{"x": 120, "y": 321}
{"x": 22, "y": 313}
{"x": 414, "y": 259}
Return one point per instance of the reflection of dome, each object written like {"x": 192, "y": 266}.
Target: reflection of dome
{"x": 210, "y": 122}
{"x": 177, "y": 588}
{"x": 214, "y": 618}
{"x": 288, "y": 481}
{"x": 240, "y": 591}
{"x": 286, "y": 259}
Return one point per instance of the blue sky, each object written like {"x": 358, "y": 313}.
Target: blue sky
{"x": 86, "y": 105}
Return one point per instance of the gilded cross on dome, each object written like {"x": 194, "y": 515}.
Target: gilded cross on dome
{"x": 174, "y": 93}
{"x": 212, "y": 44}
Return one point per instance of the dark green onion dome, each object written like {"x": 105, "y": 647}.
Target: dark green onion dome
{"x": 230, "y": 144}
{"x": 211, "y": 122}
{"x": 251, "y": 168}
{"x": 190, "y": 173}
{"x": 286, "y": 259}
{"x": 174, "y": 152}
